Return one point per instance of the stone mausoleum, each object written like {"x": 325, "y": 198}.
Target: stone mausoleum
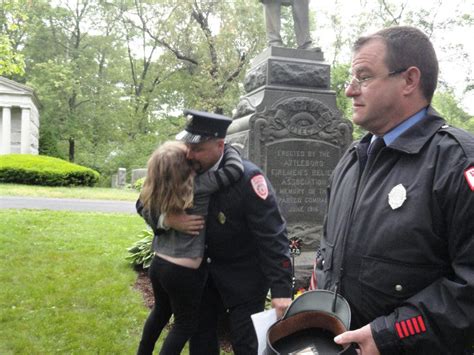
{"x": 19, "y": 118}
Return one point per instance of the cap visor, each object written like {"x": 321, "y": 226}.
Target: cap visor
{"x": 187, "y": 137}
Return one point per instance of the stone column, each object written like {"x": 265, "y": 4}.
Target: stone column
{"x": 5, "y": 146}
{"x": 25, "y": 130}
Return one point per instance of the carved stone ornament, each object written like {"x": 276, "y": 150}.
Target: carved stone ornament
{"x": 299, "y": 74}
{"x": 244, "y": 108}
{"x": 303, "y": 117}
{"x": 288, "y": 73}
{"x": 256, "y": 78}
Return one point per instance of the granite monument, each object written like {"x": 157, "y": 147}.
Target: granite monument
{"x": 289, "y": 125}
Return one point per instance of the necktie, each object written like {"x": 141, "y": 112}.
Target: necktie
{"x": 372, "y": 151}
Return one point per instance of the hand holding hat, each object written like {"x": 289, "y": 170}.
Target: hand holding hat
{"x": 363, "y": 337}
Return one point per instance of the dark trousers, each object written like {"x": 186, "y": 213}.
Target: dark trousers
{"x": 177, "y": 291}
{"x": 242, "y": 332}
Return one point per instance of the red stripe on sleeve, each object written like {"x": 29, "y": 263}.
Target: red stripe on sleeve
{"x": 399, "y": 331}
{"x": 422, "y": 324}
{"x": 410, "y": 327}
{"x": 404, "y": 327}
{"x": 415, "y": 324}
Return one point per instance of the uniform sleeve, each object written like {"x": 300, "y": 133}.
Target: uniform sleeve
{"x": 440, "y": 318}
{"x": 269, "y": 229}
{"x": 149, "y": 219}
{"x": 231, "y": 171}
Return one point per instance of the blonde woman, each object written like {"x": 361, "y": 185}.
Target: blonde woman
{"x": 172, "y": 186}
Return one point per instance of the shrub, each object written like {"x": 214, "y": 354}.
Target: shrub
{"x": 44, "y": 170}
{"x": 141, "y": 253}
{"x": 137, "y": 185}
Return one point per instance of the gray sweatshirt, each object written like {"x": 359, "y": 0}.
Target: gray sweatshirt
{"x": 180, "y": 245}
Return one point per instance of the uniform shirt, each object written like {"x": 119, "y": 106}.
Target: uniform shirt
{"x": 395, "y": 132}
{"x": 247, "y": 248}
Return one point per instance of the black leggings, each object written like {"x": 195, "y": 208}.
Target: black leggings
{"x": 178, "y": 291}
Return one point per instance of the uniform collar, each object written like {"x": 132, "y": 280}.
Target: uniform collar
{"x": 414, "y": 138}
{"x": 397, "y": 131}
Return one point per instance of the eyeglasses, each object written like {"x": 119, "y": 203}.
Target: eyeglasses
{"x": 358, "y": 83}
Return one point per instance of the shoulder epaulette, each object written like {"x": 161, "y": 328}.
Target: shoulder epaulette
{"x": 464, "y": 138}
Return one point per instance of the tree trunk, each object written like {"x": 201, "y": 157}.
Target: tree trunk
{"x": 71, "y": 149}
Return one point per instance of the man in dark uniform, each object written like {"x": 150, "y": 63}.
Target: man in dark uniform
{"x": 247, "y": 250}
{"x": 399, "y": 232}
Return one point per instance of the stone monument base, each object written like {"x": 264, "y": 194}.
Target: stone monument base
{"x": 288, "y": 124}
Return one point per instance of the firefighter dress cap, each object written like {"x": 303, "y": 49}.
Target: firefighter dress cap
{"x": 310, "y": 324}
{"x": 201, "y": 126}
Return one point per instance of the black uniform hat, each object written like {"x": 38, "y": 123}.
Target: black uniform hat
{"x": 202, "y": 126}
{"x": 310, "y": 325}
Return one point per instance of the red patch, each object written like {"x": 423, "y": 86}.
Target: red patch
{"x": 469, "y": 175}
{"x": 259, "y": 185}
{"x": 409, "y": 327}
{"x": 399, "y": 331}
{"x": 421, "y": 323}
{"x": 285, "y": 264}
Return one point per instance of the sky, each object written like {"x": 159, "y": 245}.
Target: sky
{"x": 452, "y": 69}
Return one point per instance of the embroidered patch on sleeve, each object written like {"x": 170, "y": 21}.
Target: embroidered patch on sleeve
{"x": 469, "y": 175}
{"x": 409, "y": 327}
{"x": 259, "y": 185}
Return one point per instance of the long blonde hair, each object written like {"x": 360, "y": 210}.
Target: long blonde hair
{"x": 169, "y": 184}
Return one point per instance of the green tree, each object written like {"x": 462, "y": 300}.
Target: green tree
{"x": 77, "y": 78}
{"x": 12, "y": 26}
{"x": 195, "y": 52}
{"x": 446, "y": 103}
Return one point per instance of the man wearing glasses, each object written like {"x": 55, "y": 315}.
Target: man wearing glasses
{"x": 399, "y": 232}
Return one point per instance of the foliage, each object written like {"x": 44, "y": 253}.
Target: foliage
{"x": 65, "y": 286}
{"x": 48, "y": 143}
{"x": 11, "y": 62}
{"x": 43, "y": 170}
{"x": 445, "y": 102}
{"x": 99, "y": 92}
{"x": 141, "y": 253}
{"x": 137, "y": 185}
{"x": 12, "y": 23}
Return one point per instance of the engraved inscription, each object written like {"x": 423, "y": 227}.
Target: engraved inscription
{"x": 299, "y": 171}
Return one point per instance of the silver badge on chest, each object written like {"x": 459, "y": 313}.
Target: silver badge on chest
{"x": 397, "y": 196}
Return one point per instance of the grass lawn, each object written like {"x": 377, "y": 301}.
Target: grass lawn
{"x": 65, "y": 287}
{"x": 96, "y": 193}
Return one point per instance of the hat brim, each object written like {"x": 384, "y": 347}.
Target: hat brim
{"x": 310, "y": 323}
{"x": 185, "y": 136}
{"x": 306, "y": 330}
